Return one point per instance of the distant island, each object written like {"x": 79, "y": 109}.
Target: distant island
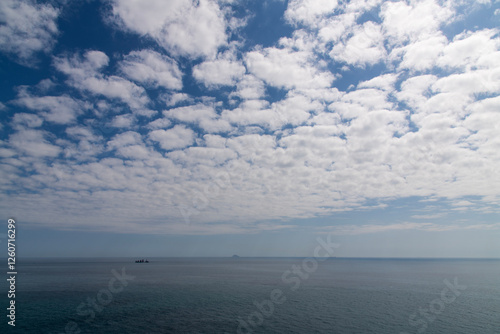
{"x": 235, "y": 256}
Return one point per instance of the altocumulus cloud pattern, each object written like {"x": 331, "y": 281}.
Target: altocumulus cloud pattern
{"x": 115, "y": 114}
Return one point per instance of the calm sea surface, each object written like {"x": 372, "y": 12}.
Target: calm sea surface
{"x": 255, "y": 295}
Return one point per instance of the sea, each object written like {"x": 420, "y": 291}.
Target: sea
{"x": 255, "y": 295}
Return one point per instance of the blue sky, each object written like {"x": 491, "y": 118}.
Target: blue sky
{"x": 208, "y": 128}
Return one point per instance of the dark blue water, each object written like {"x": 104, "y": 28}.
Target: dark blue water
{"x": 255, "y": 295}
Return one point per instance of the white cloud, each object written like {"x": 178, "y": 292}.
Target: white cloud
{"x": 252, "y": 112}
{"x": 175, "y": 138}
{"x": 430, "y": 216}
{"x": 33, "y": 143}
{"x": 249, "y": 88}
{"x": 160, "y": 123}
{"x": 21, "y": 120}
{"x": 203, "y": 115}
{"x": 174, "y": 99}
{"x": 123, "y": 121}
{"x": 318, "y": 147}
{"x": 384, "y": 82}
{"x": 468, "y": 83}
{"x": 294, "y": 110}
{"x": 416, "y": 90}
{"x": 150, "y": 67}
{"x": 125, "y": 139}
{"x": 86, "y": 144}
{"x": 483, "y": 120}
{"x": 364, "y": 229}
{"x": 83, "y": 133}
{"x": 429, "y": 227}
{"x": 119, "y": 88}
{"x": 130, "y": 145}
{"x": 256, "y": 147}
{"x": 367, "y": 98}
{"x": 135, "y": 152}
{"x": 84, "y": 74}
{"x": 361, "y": 6}
{"x": 422, "y": 54}
{"x": 220, "y": 72}
{"x": 27, "y": 28}
{"x": 462, "y": 203}
{"x": 403, "y": 21}
{"x": 308, "y": 11}
{"x": 365, "y": 47}
{"x": 468, "y": 48}
{"x": 55, "y": 109}
{"x": 191, "y": 114}
{"x": 182, "y": 27}
{"x": 334, "y": 28}
{"x": 7, "y": 153}
{"x": 212, "y": 125}
{"x": 287, "y": 69}
{"x": 211, "y": 156}
{"x": 319, "y": 94}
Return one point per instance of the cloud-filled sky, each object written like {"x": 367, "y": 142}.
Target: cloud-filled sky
{"x": 260, "y": 121}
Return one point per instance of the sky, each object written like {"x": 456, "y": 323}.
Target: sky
{"x": 213, "y": 128}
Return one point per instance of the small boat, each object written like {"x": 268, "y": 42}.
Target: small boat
{"x": 141, "y": 261}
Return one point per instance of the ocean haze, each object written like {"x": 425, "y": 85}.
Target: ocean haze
{"x": 294, "y": 242}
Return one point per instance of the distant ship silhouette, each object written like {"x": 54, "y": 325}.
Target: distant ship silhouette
{"x": 141, "y": 261}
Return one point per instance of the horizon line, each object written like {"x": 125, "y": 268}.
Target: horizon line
{"x": 256, "y": 257}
